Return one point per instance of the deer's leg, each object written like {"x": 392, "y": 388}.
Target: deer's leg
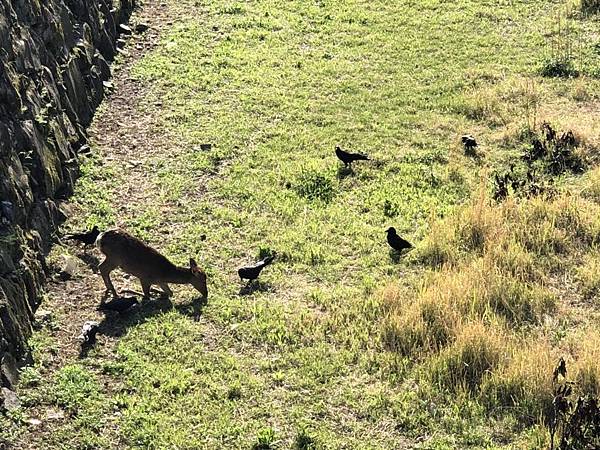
{"x": 106, "y": 267}
{"x": 166, "y": 289}
{"x": 145, "y": 287}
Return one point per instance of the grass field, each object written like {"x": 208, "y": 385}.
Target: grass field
{"x": 341, "y": 345}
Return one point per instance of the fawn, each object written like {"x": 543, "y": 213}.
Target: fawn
{"x": 139, "y": 259}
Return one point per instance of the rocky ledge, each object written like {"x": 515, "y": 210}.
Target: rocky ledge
{"x": 54, "y": 57}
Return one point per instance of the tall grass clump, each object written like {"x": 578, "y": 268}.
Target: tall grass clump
{"x": 478, "y": 322}
{"x": 477, "y": 350}
{"x": 586, "y": 350}
{"x": 562, "y": 58}
{"x": 416, "y": 327}
{"x": 591, "y": 185}
{"x": 588, "y": 275}
{"x": 506, "y": 101}
{"x": 524, "y": 382}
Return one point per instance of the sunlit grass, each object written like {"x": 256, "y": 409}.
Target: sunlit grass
{"x": 342, "y": 346}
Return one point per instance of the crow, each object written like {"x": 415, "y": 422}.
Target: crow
{"x": 348, "y": 158}
{"x": 395, "y": 241}
{"x": 88, "y": 333}
{"x": 119, "y": 304}
{"x": 251, "y": 273}
{"x": 469, "y": 143}
{"x": 87, "y": 237}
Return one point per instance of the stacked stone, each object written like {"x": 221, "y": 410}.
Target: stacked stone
{"x": 53, "y": 64}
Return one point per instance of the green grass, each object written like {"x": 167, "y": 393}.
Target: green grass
{"x": 274, "y": 86}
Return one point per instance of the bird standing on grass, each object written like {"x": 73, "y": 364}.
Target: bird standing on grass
{"x": 251, "y": 273}
{"x": 87, "y": 237}
{"x": 469, "y": 143}
{"x": 348, "y": 158}
{"x": 88, "y": 333}
{"x": 395, "y": 241}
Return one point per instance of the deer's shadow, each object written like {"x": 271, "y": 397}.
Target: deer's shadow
{"x": 115, "y": 324}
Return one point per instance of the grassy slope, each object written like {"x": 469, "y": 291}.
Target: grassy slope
{"x": 274, "y": 85}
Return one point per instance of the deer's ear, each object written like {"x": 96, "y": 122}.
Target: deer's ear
{"x": 193, "y": 263}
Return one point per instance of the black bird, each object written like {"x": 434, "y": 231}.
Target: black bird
{"x": 395, "y": 241}
{"x": 469, "y": 143}
{"x": 87, "y": 237}
{"x": 88, "y": 333}
{"x": 119, "y": 304}
{"x": 348, "y": 158}
{"x": 560, "y": 369}
{"x": 251, "y": 273}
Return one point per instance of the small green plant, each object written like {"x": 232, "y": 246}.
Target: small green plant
{"x": 265, "y": 439}
{"x": 315, "y": 186}
{"x": 30, "y": 377}
{"x": 390, "y": 209}
{"x": 74, "y": 387}
{"x": 234, "y": 392}
{"x": 561, "y": 61}
{"x": 560, "y": 67}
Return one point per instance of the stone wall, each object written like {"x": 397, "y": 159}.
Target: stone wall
{"x": 53, "y": 64}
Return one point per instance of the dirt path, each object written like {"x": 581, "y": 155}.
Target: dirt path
{"x": 127, "y": 138}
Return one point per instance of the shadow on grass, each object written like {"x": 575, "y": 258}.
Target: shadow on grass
{"x": 256, "y": 286}
{"x": 116, "y": 324}
{"x": 194, "y": 309}
{"x": 397, "y": 256}
{"x": 344, "y": 172}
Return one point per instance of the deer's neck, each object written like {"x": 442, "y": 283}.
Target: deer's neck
{"x": 178, "y": 275}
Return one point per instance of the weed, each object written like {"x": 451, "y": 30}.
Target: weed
{"x": 234, "y": 392}
{"x": 559, "y": 67}
{"x": 575, "y": 419}
{"x": 265, "y": 439}
{"x": 315, "y": 186}
{"x": 562, "y": 59}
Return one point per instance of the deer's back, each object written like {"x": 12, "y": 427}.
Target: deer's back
{"x": 133, "y": 256}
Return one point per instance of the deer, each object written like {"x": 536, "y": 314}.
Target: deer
{"x": 136, "y": 258}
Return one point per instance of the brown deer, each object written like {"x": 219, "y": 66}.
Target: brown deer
{"x": 139, "y": 259}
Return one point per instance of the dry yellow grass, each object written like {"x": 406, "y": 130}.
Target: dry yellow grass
{"x": 478, "y": 321}
{"x": 586, "y": 353}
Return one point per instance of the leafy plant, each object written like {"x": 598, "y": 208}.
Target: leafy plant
{"x": 315, "y": 186}
{"x": 549, "y": 155}
{"x": 559, "y": 66}
{"x": 265, "y": 439}
{"x": 304, "y": 441}
{"x": 575, "y": 418}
